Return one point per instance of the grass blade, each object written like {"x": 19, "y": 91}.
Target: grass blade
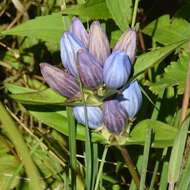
{"x": 177, "y": 154}
{"x": 145, "y": 158}
{"x": 72, "y": 146}
{"x": 13, "y": 133}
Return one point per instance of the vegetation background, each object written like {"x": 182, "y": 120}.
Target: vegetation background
{"x": 36, "y": 147}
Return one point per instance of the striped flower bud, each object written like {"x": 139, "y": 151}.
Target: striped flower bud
{"x": 116, "y": 70}
{"x": 69, "y": 47}
{"x": 94, "y": 116}
{"x": 90, "y": 70}
{"x": 131, "y": 99}
{"x": 114, "y": 116}
{"x": 62, "y": 82}
{"x": 127, "y": 43}
{"x": 98, "y": 42}
{"x": 79, "y": 31}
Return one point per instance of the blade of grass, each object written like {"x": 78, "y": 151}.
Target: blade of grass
{"x": 95, "y": 163}
{"x": 164, "y": 174}
{"x": 177, "y": 154}
{"x": 88, "y": 148}
{"x": 13, "y": 133}
{"x": 72, "y": 146}
{"x": 185, "y": 179}
{"x": 145, "y": 158}
{"x": 101, "y": 168}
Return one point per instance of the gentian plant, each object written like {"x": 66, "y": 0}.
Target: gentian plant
{"x": 88, "y": 61}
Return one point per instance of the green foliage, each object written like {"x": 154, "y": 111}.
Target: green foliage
{"x": 41, "y": 143}
{"x": 93, "y": 9}
{"x": 166, "y": 31}
{"x": 153, "y": 57}
{"x": 177, "y": 69}
{"x": 48, "y": 28}
{"x": 121, "y": 11}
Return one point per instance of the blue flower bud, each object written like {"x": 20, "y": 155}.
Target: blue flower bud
{"x": 98, "y": 42}
{"x": 94, "y": 116}
{"x": 115, "y": 117}
{"x": 131, "y": 99}
{"x": 69, "y": 47}
{"x": 90, "y": 70}
{"x": 127, "y": 43}
{"x": 79, "y": 31}
{"x": 116, "y": 70}
{"x": 62, "y": 82}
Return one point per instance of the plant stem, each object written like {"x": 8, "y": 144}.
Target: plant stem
{"x": 72, "y": 146}
{"x": 88, "y": 150}
{"x": 130, "y": 165}
{"x": 186, "y": 93}
{"x": 135, "y": 13}
{"x": 101, "y": 167}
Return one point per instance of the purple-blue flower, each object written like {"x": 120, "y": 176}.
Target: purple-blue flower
{"x": 94, "y": 116}
{"x": 116, "y": 70}
{"x": 115, "y": 117}
{"x": 59, "y": 80}
{"x": 79, "y": 31}
{"x": 131, "y": 99}
{"x": 70, "y": 45}
{"x": 98, "y": 43}
{"x": 90, "y": 70}
{"x": 127, "y": 43}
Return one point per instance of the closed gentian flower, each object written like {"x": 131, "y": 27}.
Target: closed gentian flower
{"x": 79, "y": 31}
{"x": 131, "y": 99}
{"x": 114, "y": 116}
{"x": 127, "y": 43}
{"x": 70, "y": 44}
{"x": 116, "y": 70}
{"x": 90, "y": 70}
{"x": 94, "y": 116}
{"x": 61, "y": 81}
{"x": 98, "y": 42}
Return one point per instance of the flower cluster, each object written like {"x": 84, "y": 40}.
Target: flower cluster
{"x": 87, "y": 59}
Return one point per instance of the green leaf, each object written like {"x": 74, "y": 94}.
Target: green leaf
{"x": 177, "y": 69}
{"x": 163, "y": 134}
{"x": 156, "y": 56}
{"x": 8, "y": 167}
{"x": 48, "y": 28}
{"x": 93, "y": 9}
{"x": 34, "y": 97}
{"x": 176, "y": 157}
{"x": 167, "y": 31}
{"x": 121, "y": 11}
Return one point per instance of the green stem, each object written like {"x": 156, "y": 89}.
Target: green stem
{"x": 88, "y": 151}
{"x": 101, "y": 167}
{"x": 135, "y": 13}
{"x": 72, "y": 146}
{"x": 13, "y": 133}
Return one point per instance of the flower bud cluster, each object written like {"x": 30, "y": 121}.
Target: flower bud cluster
{"x": 87, "y": 56}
